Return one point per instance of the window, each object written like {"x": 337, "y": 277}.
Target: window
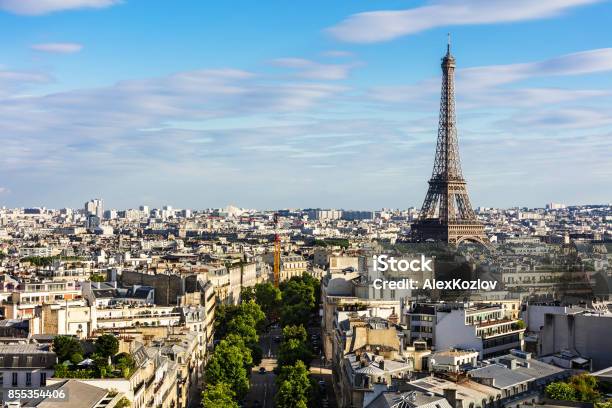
{"x": 43, "y": 379}
{"x": 28, "y": 379}
{"x": 15, "y": 380}
{"x": 1, "y": 379}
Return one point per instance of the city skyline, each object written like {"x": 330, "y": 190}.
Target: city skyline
{"x": 102, "y": 99}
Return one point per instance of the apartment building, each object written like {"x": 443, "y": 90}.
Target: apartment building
{"x": 368, "y": 355}
{"x": 489, "y": 328}
{"x": 25, "y": 298}
{"x": 26, "y": 365}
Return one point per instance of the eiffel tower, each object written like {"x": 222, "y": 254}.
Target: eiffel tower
{"x": 447, "y": 214}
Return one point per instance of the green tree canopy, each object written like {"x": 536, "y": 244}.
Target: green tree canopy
{"x": 244, "y": 326}
{"x": 107, "y": 345}
{"x": 247, "y": 294}
{"x": 295, "y": 332}
{"x": 297, "y": 291}
{"x": 227, "y": 365}
{"x": 67, "y": 348}
{"x": 269, "y": 298}
{"x": 219, "y": 395}
{"x": 247, "y": 353}
{"x": 293, "y": 386}
{"x": 293, "y": 350}
{"x": 125, "y": 363}
{"x": 254, "y": 311}
{"x": 295, "y": 315}
{"x": 560, "y": 391}
{"x": 226, "y": 313}
{"x": 585, "y": 387}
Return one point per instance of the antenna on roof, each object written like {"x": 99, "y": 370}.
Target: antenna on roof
{"x": 448, "y": 46}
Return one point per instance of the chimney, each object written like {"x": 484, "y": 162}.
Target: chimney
{"x": 451, "y": 396}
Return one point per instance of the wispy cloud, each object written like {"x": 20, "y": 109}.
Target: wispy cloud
{"x": 14, "y": 81}
{"x": 58, "y": 48}
{"x": 376, "y": 26}
{"x": 487, "y": 86}
{"x": 39, "y": 7}
{"x": 579, "y": 63}
{"x": 314, "y": 70}
{"x": 337, "y": 54}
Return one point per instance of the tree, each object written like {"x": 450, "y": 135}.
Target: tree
{"x": 293, "y": 350}
{"x": 67, "y": 348}
{"x": 295, "y": 332}
{"x": 254, "y": 311}
{"x": 223, "y": 314}
{"x": 560, "y": 391}
{"x": 227, "y": 365}
{"x": 76, "y": 358}
{"x": 226, "y": 313}
{"x": 256, "y": 353}
{"x": 123, "y": 403}
{"x": 268, "y": 297}
{"x": 247, "y": 294}
{"x": 125, "y": 363}
{"x": 518, "y": 325}
{"x": 315, "y": 284}
{"x": 96, "y": 277}
{"x": 101, "y": 365}
{"x": 244, "y": 326}
{"x": 219, "y": 395}
{"x": 297, "y": 291}
{"x": 294, "y": 386}
{"x": 247, "y": 353}
{"x": 585, "y": 387}
{"x": 107, "y": 345}
{"x": 296, "y": 315}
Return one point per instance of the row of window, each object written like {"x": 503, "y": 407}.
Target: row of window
{"x": 421, "y": 318}
{"x": 28, "y": 379}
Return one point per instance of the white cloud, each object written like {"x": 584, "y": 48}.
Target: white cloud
{"x": 337, "y": 54}
{"x": 58, "y": 48}
{"x": 376, "y": 26}
{"x": 313, "y": 70}
{"x": 486, "y": 86}
{"x": 15, "y": 81}
{"x": 579, "y": 63}
{"x": 39, "y": 7}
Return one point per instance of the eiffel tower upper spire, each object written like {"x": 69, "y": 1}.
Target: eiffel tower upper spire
{"x": 447, "y": 213}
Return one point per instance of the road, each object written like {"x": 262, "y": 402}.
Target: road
{"x": 321, "y": 371}
{"x": 263, "y": 386}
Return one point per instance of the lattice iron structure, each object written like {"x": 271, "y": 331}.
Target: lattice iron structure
{"x": 277, "y": 252}
{"x": 447, "y": 214}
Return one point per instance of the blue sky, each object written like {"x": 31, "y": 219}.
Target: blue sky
{"x": 275, "y": 104}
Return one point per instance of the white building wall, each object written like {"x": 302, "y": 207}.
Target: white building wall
{"x": 452, "y": 332}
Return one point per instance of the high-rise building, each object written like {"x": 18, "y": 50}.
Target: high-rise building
{"x": 145, "y": 210}
{"x": 95, "y": 207}
{"x": 447, "y": 214}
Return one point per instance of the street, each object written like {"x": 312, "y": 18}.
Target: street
{"x": 263, "y": 386}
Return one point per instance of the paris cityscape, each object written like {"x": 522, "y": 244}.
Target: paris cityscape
{"x": 446, "y": 301}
